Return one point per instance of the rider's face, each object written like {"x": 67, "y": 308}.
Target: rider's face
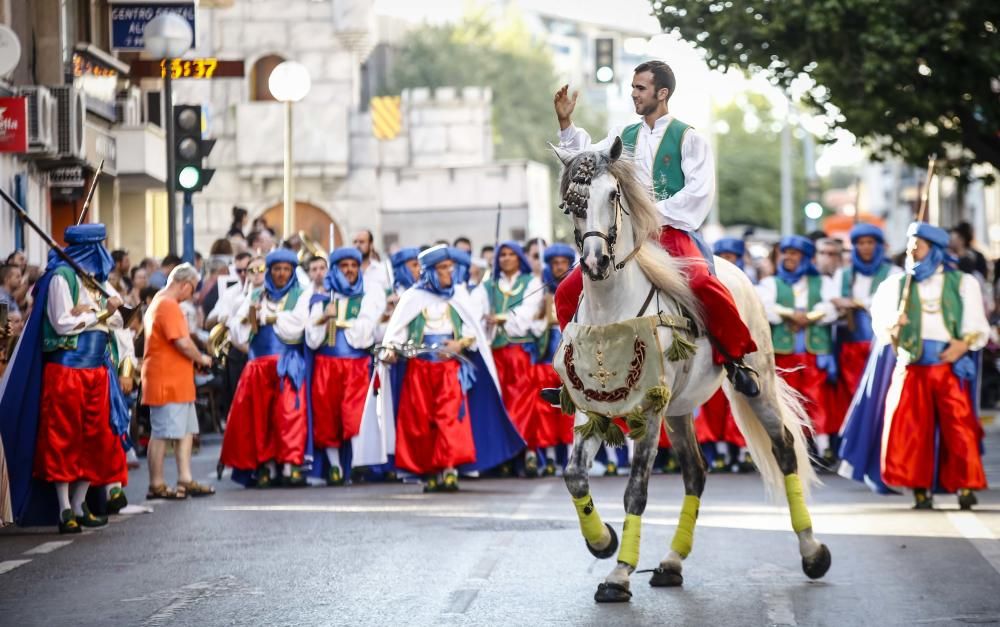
{"x": 645, "y": 95}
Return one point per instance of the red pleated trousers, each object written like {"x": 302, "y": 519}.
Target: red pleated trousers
{"x": 339, "y": 386}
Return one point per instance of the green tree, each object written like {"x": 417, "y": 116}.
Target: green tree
{"x": 748, "y": 158}
{"x": 480, "y": 51}
{"x": 907, "y": 77}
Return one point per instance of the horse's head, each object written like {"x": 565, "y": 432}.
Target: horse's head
{"x": 592, "y": 197}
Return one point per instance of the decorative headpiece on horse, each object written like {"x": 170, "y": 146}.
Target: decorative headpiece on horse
{"x": 577, "y": 195}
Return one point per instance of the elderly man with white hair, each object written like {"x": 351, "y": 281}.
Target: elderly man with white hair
{"x": 168, "y": 386}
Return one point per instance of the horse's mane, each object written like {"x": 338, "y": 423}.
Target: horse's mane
{"x": 662, "y": 270}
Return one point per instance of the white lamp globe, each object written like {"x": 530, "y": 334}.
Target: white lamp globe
{"x": 289, "y": 81}
{"x": 167, "y": 36}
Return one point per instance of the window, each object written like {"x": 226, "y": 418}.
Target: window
{"x": 259, "y": 74}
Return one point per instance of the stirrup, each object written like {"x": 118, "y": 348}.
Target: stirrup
{"x": 743, "y": 377}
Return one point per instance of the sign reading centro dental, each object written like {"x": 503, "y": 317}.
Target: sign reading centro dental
{"x": 13, "y": 125}
{"x": 129, "y": 19}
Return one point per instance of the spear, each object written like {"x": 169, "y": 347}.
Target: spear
{"x": 90, "y": 194}
{"x": 911, "y": 247}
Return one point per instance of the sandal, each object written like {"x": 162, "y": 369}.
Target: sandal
{"x": 196, "y": 489}
{"x": 164, "y": 492}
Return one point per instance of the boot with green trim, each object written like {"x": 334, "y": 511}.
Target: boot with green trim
{"x": 550, "y": 469}
{"x": 67, "y": 522}
{"x": 450, "y": 481}
{"x": 531, "y": 465}
{"x": 431, "y": 484}
{"x": 116, "y": 501}
{"x": 296, "y": 478}
{"x": 506, "y": 471}
{"x": 966, "y": 499}
{"x": 90, "y": 520}
{"x": 264, "y": 477}
{"x": 611, "y": 469}
{"x": 335, "y": 476}
{"x": 922, "y": 499}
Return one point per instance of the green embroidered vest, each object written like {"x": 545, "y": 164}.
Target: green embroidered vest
{"x": 847, "y": 282}
{"x": 503, "y": 302}
{"x": 52, "y": 341}
{"x": 668, "y": 177}
{"x": 910, "y": 337}
{"x": 818, "y": 338}
{"x": 419, "y": 323}
{"x": 290, "y": 299}
{"x": 350, "y": 313}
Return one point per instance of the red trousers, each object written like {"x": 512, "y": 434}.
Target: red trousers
{"x": 716, "y": 422}
{"x": 730, "y": 336}
{"x": 267, "y": 420}
{"x": 851, "y": 367}
{"x": 339, "y": 386}
{"x": 553, "y": 426}
{"x": 932, "y": 396}
{"x": 517, "y": 385}
{"x": 75, "y": 441}
{"x": 430, "y": 434}
{"x": 808, "y": 380}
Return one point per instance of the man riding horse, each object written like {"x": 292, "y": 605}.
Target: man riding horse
{"x": 676, "y": 164}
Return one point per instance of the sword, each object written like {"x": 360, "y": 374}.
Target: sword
{"x": 126, "y": 311}
{"x": 410, "y": 350}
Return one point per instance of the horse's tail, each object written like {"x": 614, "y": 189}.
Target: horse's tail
{"x": 793, "y": 417}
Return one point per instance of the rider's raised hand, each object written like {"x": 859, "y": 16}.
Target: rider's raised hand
{"x": 564, "y": 106}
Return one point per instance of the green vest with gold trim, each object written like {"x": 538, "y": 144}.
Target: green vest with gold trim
{"x": 910, "y": 338}
{"x": 818, "y": 338}
{"x": 288, "y": 301}
{"x": 52, "y": 341}
{"x": 350, "y": 313}
{"x": 505, "y": 301}
{"x": 419, "y": 323}
{"x": 668, "y": 177}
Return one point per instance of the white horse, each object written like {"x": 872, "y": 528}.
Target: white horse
{"x": 623, "y": 264}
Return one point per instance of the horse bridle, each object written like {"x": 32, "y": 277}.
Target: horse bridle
{"x": 575, "y": 202}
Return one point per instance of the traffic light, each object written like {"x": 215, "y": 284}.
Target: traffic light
{"x": 604, "y": 60}
{"x": 190, "y": 150}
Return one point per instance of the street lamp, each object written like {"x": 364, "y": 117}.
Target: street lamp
{"x": 168, "y": 36}
{"x": 289, "y": 82}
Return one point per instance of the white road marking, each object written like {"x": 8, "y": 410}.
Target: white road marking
{"x": 9, "y": 565}
{"x": 979, "y": 536}
{"x": 48, "y": 547}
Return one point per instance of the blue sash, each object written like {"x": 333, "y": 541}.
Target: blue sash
{"x": 466, "y": 374}
{"x": 91, "y": 348}
{"x": 964, "y": 368}
{"x": 341, "y": 348}
{"x": 290, "y": 361}
{"x": 862, "y": 328}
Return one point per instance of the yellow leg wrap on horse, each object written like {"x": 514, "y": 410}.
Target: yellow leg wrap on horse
{"x": 684, "y": 534}
{"x": 591, "y": 525}
{"x": 797, "y": 503}
{"x": 629, "y": 551}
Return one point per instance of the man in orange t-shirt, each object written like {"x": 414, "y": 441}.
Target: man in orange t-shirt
{"x": 168, "y": 384}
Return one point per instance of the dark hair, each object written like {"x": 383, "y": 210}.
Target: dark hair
{"x": 171, "y": 260}
{"x": 147, "y": 293}
{"x": 242, "y": 256}
{"x": 221, "y": 247}
{"x": 135, "y": 269}
{"x": 238, "y": 214}
{"x": 11, "y": 256}
{"x": 6, "y": 269}
{"x": 461, "y": 239}
{"x": 316, "y": 258}
{"x": 663, "y": 76}
{"x": 118, "y": 254}
{"x": 486, "y": 249}
{"x": 963, "y": 230}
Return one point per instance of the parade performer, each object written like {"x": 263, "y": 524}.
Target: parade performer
{"x": 63, "y": 414}
{"x": 340, "y": 332}
{"x": 715, "y": 427}
{"x": 449, "y": 415}
{"x": 913, "y": 422}
{"x": 553, "y": 426}
{"x": 853, "y": 335}
{"x": 676, "y": 163}
{"x": 798, "y": 304}
{"x": 514, "y": 296}
{"x": 267, "y": 422}
{"x": 405, "y": 268}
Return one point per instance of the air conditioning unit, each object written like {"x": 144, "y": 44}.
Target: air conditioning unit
{"x": 71, "y": 107}
{"x": 128, "y": 107}
{"x": 41, "y": 121}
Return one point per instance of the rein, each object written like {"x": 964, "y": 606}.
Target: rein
{"x": 611, "y": 237}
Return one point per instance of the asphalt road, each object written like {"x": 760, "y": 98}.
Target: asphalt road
{"x": 501, "y": 552}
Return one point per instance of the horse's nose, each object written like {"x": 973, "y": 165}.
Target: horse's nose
{"x": 603, "y": 262}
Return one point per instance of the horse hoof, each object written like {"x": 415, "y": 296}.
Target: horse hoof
{"x": 612, "y": 593}
{"x": 607, "y": 551}
{"x": 819, "y": 564}
{"x": 663, "y": 578}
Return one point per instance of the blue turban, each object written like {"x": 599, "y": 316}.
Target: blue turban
{"x": 525, "y": 265}
{"x": 428, "y": 277}
{"x": 401, "y": 274}
{"x": 805, "y": 246}
{"x": 281, "y": 255}
{"x": 938, "y": 239}
{"x": 732, "y": 246}
{"x": 336, "y": 282}
{"x": 85, "y": 247}
{"x": 463, "y": 261}
{"x": 867, "y": 268}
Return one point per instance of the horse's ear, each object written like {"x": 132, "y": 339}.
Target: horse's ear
{"x": 616, "y": 149}
{"x": 565, "y": 156}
